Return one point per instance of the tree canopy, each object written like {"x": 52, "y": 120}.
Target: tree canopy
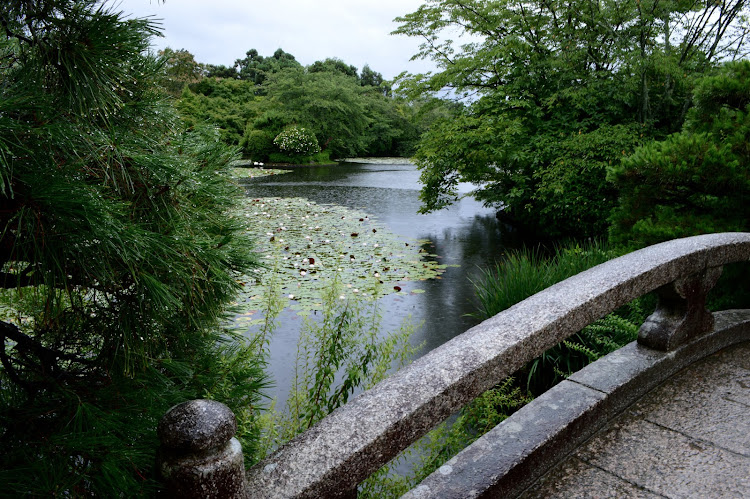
{"x": 256, "y": 68}
{"x": 180, "y": 68}
{"x": 695, "y": 181}
{"x": 350, "y": 113}
{"x": 558, "y": 91}
{"x": 328, "y": 102}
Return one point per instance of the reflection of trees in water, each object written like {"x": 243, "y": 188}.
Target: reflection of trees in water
{"x": 446, "y": 302}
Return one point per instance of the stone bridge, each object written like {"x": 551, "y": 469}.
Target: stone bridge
{"x": 565, "y": 437}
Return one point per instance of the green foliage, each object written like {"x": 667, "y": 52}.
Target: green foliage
{"x": 440, "y": 445}
{"x": 481, "y": 415}
{"x": 370, "y": 78}
{"x": 257, "y": 144}
{"x": 255, "y": 68}
{"x": 524, "y": 273}
{"x": 732, "y": 291}
{"x": 220, "y": 71}
{"x": 225, "y": 103}
{"x": 322, "y": 158}
{"x": 118, "y": 256}
{"x": 349, "y": 116}
{"x": 328, "y": 103}
{"x": 593, "y": 342}
{"x": 559, "y": 91}
{"x": 95, "y": 439}
{"x": 696, "y": 181}
{"x": 338, "y": 354}
{"x": 180, "y": 69}
{"x": 571, "y": 199}
{"x": 331, "y": 65}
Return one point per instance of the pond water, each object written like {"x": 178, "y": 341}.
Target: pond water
{"x": 466, "y": 236}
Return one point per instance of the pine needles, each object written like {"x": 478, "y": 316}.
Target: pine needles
{"x": 118, "y": 256}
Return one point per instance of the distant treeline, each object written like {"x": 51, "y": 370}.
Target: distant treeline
{"x": 345, "y": 111}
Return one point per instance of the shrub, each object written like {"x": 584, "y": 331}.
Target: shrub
{"x": 296, "y": 140}
{"x": 323, "y": 157}
{"x": 696, "y": 181}
{"x": 257, "y": 144}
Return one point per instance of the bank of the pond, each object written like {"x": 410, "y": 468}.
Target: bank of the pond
{"x": 256, "y": 172}
{"x": 247, "y": 163}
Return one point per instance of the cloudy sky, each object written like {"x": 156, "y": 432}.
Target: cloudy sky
{"x": 220, "y": 31}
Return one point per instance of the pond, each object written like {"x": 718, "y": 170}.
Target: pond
{"x": 466, "y": 237}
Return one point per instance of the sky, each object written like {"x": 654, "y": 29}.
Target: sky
{"x": 221, "y": 31}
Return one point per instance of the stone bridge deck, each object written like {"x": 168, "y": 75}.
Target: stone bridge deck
{"x": 635, "y": 423}
{"x": 689, "y": 437}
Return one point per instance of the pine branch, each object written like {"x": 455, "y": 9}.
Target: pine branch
{"x": 48, "y": 358}
{"x": 11, "y": 34}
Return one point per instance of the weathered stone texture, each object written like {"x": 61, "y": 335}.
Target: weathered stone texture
{"x": 505, "y": 459}
{"x": 502, "y": 463}
{"x": 199, "y": 458}
{"x": 666, "y": 462}
{"x": 686, "y": 438}
{"x": 681, "y": 313}
{"x": 197, "y": 426}
{"x": 574, "y": 478}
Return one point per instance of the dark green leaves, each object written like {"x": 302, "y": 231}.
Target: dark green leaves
{"x": 118, "y": 255}
{"x": 695, "y": 181}
{"x": 558, "y": 91}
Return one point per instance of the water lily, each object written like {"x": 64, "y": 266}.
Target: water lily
{"x": 331, "y": 236}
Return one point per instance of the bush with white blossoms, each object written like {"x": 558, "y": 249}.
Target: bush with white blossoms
{"x": 297, "y": 140}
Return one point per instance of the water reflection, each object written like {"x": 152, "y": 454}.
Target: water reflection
{"x": 466, "y": 234}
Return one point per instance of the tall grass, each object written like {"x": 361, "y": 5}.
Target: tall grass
{"x": 526, "y": 272}
{"x": 339, "y": 355}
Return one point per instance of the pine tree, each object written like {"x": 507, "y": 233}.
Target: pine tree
{"x": 696, "y": 181}
{"x": 118, "y": 255}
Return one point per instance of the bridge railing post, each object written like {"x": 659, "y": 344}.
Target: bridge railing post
{"x": 199, "y": 456}
{"x": 681, "y": 312}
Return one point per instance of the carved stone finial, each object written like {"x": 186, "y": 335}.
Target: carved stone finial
{"x": 681, "y": 313}
{"x": 199, "y": 456}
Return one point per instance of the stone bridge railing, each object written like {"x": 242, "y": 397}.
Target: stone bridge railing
{"x": 331, "y": 458}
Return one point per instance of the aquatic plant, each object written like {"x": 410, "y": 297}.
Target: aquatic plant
{"x": 306, "y": 245}
{"x": 341, "y": 353}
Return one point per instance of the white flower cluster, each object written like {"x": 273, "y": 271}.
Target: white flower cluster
{"x": 297, "y": 140}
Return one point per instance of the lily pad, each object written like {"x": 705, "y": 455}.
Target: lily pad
{"x": 304, "y": 246}
{"x": 256, "y": 172}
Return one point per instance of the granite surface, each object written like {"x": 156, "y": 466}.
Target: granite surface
{"x": 689, "y": 437}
